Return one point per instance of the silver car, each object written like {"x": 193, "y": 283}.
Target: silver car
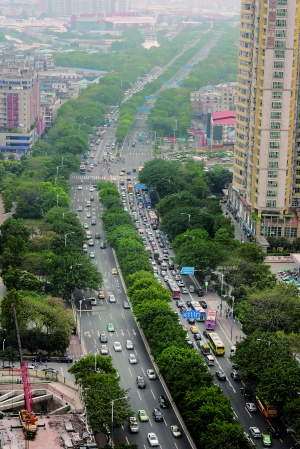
{"x": 132, "y": 359}
{"x": 151, "y": 373}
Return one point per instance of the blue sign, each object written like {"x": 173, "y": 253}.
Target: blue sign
{"x": 191, "y": 314}
{"x": 178, "y": 83}
{"x": 166, "y": 82}
{"x": 149, "y": 97}
{"x": 143, "y": 109}
{"x": 188, "y": 270}
{"x": 186, "y": 66}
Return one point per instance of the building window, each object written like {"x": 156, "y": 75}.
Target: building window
{"x": 281, "y": 2}
{"x": 280, "y": 12}
{"x": 273, "y": 154}
{"x": 275, "y": 115}
{"x": 279, "y": 44}
{"x": 274, "y": 144}
{"x": 277, "y": 95}
{"x": 275, "y": 125}
{"x": 272, "y": 174}
{"x": 276, "y": 104}
{"x": 278, "y": 64}
{"x": 271, "y": 203}
{"x": 272, "y": 164}
{"x": 279, "y": 54}
{"x": 281, "y": 23}
{"x": 274, "y": 135}
{"x": 277, "y": 85}
{"x": 278, "y": 75}
{"x": 291, "y": 232}
{"x": 272, "y": 193}
{"x": 280, "y": 33}
{"x": 272, "y": 183}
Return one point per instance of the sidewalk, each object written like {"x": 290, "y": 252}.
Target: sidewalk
{"x": 74, "y": 348}
{"x": 213, "y": 300}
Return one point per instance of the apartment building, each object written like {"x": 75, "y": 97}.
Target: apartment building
{"x": 20, "y": 118}
{"x": 64, "y": 8}
{"x": 265, "y": 192}
{"x": 217, "y": 98}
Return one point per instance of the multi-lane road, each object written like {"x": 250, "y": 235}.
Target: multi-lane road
{"x": 95, "y": 319}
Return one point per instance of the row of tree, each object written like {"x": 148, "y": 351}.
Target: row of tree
{"x": 204, "y": 238}
{"x": 128, "y": 110}
{"x": 193, "y": 391}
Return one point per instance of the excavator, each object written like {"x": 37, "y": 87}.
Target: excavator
{"x": 27, "y": 417}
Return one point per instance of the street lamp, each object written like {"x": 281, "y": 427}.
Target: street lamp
{"x": 112, "y": 416}
{"x": 58, "y": 168}
{"x": 268, "y": 341}
{"x": 232, "y": 317}
{"x": 174, "y": 194}
{"x": 57, "y": 195}
{"x": 55, "y": 179}
{"x": 68, "y": 212}
{"x": 221, "y": 304}
{"x": 87, "y": 116}
{"x": 173, "y": 129}
{"x": 166, "y": 179}
{"x": 66, "y": 235}
{"x": 189, "y": 215}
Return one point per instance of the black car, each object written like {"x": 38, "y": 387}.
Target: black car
{"x": 163, "y": 402}
{"x": 274, "y": 431}
{"x": 140, "y": 382}
{"x": 157, "y": 415}
{"x": 205, "y": 333}
{"x": 191, "y": 320}
{"x": 197, "y": 336}
{"x": 188, "y": 303}
{"x": 65, "y": 359}
{"x": 221, "y": 375}
{"x": 203, "y": 304}
{"x": 93, "y": 222}
{"x": 199, "y": 292}
{"x": 246, "y": 392}
{"x": 97, "y": 235}
{"x": 126, "y": 305}
{"x": 134, "y": 170}
{"x": 103, "y": 245}
{"x": 43, "y": 358}
{"x": 103, "y": 338}
{"x": 128, "y": 173}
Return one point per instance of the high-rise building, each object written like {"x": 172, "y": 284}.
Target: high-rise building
{"x": 20, "y": 116}
{"x": 266, "y": 182}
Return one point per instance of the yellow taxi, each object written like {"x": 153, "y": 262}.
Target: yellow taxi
{"x": 114, "y": 271}
{"x": 101, "y": 295}
{"x": 194, "y": 329}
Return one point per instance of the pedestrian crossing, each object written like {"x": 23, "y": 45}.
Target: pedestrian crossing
{"x": 91, "y": 178}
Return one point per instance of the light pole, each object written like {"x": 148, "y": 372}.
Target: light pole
{"x": 221, "y": 304}
{"x": 174, "y": 194}
{"x": 87, "y": 116}
{"x": 66, "y": 235}
{"x": 55, "y": 179}
{"x": 268, "y": 341}
{"x": 57, "y": 199}
{"x": 232, "y": 317}
{"x": 58, "y": 168}
{"x": 166, "y": 179}
{"x": 189, "y": 215}
{"x": 68, "y": 212}
{"x": 112, "y": 416}
{"x": 174, "y": 130}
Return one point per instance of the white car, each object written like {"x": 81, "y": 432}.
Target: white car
{"x": 153, "y": 440}
{"x": 79, "y": 187}
{"x": 151, "y": 373}
{"x": 251, "y": 407}
{"x": 175, "y": 431}
{"x": 117, "y": 346}
{"x": 129, "y": 344}
{"x": 111, "y": 298}
{"x": 91, "y": 189}
{"x": 132, "y": 359}
{"x": 103, "y": 350}
{"x": 255, "y": 432}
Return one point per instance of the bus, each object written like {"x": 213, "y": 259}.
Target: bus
{"x": 270, "y": 411}
{"x": 175, "y": 290}
{"x": 148, "y": 202}
{"x": 82, "y": 169}
{"x": 211, "y": 318}
{"x": 216, "y": 343}
{"x": 152, "y": 215}
{"x": 196, "y": 306}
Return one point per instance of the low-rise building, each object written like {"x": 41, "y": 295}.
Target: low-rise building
{"x": 220, "y": 97}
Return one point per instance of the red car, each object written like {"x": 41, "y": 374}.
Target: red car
{"x": 89, "y": 169}
{"x": 92, "y": 198}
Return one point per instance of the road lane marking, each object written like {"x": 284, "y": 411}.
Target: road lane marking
{"x": 95, "y": 341}
{"x": 139, "y": 394}
{"x": 90, "y": 323}
{"x": 231, "y": 386}
{"x": 122, "y": 316}
{"x": 130, "y": 372}
{"x": 122, "y": 332}
{"x": 128, "y": 332}
{"x": 152, "y": 393}
{"x": 250, "y": 414}
{"x": 133, "y": 331}
{"x": 150, "y": 422}
{"x": 127, "y": 441}
{"x": 142, "y": 367}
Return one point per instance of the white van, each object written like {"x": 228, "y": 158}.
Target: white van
{"x": 232, "y": 351}
{"x": 164, "y": 266}
{"x": 191, "y": 288}
{"x": 85, "y": 248}
{"x": 210, "y": 360}
{"x": 141, "y": 232}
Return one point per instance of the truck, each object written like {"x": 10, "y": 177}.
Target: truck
{"x": 140, "y": 138}
{"x": 133, "y": 425}
{"x": 205, "y": 349}
{"x": 148, "y": 202}
{"x": 129, "y": 189}
{"x": 156, "y": 254}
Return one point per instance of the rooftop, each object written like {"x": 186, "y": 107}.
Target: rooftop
{"x": 223, "y": 117}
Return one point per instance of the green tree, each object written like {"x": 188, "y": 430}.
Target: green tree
{"x": 219, "y": 178}
{"x": 11, "y": 355}
{"x": 6, "y": 310}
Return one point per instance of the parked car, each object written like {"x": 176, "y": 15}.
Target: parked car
{"x": 65, "y": 359}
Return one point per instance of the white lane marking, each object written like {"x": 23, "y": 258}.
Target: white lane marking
{"x": 139, "y": 394}
{"x": 142, "y": 368}
{"x": 122, "y": 316}
{"x": 122, "y": 332}
{"x": 130, "y": 372}
{"x": 128, "y": 332}
{"x": 152, "y": 393}
{"x": 250, "y": 414}
{"x": 133, "y": 331}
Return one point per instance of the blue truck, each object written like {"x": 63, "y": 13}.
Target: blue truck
{"x": 148, "y": 202}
